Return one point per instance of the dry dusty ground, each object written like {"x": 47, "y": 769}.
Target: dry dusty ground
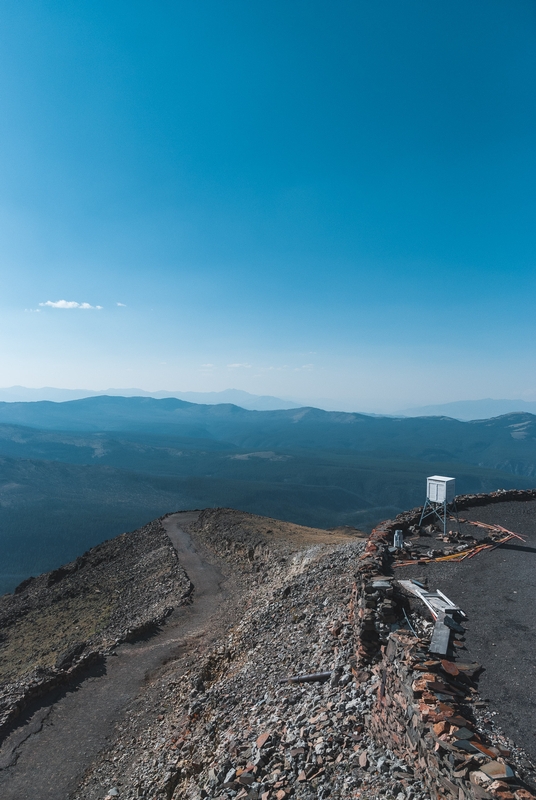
{"x": 139, "y": 577}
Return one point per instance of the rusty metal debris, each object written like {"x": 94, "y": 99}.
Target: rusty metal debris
{"x": 494, "y": 527}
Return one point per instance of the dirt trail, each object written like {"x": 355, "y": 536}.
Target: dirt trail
{"x": 61, "y": 736}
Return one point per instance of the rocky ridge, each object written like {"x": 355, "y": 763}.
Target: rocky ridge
{"x": 289, "y": 703}
{"x": 233, "y": 724}
{"x": 298, "y": 694}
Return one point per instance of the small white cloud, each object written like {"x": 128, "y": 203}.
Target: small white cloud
{"x": 123, "y": 305}
{"x": 32, "y": 310}
{"x": 306, "y": 367}
{"x": 68, "y": 304}
{"x": 61, "y": 304}
{"x": 208, "y": 366}
{"x": 239, "y": 366}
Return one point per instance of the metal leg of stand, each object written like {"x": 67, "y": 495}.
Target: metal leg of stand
{"x": 425, "y": 506}
{"x": 448, "y": 511}
{"x": 431, "y": 509}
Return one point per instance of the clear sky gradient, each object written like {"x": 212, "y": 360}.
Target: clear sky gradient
{"x": 292, "y": 197}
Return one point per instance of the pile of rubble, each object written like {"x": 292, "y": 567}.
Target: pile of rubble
{"x": 425, "y": 713}
{"x": 427, "y": 543}
{"x": 456, "y": 545}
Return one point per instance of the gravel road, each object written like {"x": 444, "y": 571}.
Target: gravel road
{"x": 56, "y": 741}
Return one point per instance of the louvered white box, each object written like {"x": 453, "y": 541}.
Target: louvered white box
{"x": 440, "y": 489}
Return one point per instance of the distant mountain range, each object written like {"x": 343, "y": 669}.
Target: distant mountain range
{"x": 76, "y": 472}
{"x": 507, "y": 442}
{"x": 472, "y": 409}
{"x": 254, "y": 402}
{"x": 465, "y": 410}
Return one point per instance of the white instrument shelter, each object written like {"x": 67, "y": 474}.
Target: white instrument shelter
{"x": 440, "y": 489}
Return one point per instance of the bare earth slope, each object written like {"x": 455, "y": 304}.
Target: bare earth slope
{"x": 56, "y": 627}
{"x": 269, "y": 599}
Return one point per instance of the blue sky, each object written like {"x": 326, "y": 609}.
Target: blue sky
{"x": 300, "y": 198}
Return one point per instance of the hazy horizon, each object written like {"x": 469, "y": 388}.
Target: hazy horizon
{"x": 477, "y": 408}
{"x": 327, "y": 203}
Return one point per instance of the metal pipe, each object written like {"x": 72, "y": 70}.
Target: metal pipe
{"x": 315, "y": 676}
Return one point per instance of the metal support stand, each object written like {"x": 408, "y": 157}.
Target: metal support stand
{"x": 442, "y": 511}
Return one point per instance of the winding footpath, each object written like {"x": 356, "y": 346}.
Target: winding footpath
{"x": 45, "y": 756}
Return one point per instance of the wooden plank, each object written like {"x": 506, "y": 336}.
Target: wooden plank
{"x": 440, "y": 637}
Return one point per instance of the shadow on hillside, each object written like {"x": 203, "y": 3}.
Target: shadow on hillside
{"x": 144, "y": 633}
